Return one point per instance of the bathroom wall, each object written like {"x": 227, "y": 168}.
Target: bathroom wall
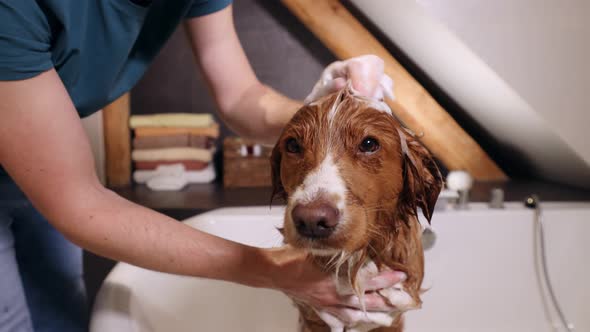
{"x": 516, "y": 70}
{"x": 540, "y": 47}
{"x": 533, "y": 122}
{"x": 282, "y": 52}
{"x": 93, "y": 127}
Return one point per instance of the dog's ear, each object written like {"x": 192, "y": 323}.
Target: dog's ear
{"x": 275, "y": 168}
{"x": 422, "y": 179}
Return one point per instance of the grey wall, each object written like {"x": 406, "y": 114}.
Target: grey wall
{"x": 514, "y": 71}
{"x": 540, "y": 47}
{"x": 289, "y": 58}
{"x": 282, "y": 52}
{"x": 93, "y": 127}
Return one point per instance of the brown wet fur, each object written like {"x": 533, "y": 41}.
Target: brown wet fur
{"x": 384, "y": 189}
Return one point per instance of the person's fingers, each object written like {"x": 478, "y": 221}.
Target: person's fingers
{"x": 326, "y": 88}
{"x": 386, "y": 85}
{"x": 337, "y": 84}
{"x": 361, "y": 78}
{"x": 365, "y": 73}
{"x": 331, "y": 86}
{"x": 346, "y": 315}
{"x": 369, "y": 280}
{"x": 335, "y": 323}
{"x": 384, "y": 279}
{"x": 334, "y": 70}
{"x": 352, "y": 317}
{"x": 371, "y": 301}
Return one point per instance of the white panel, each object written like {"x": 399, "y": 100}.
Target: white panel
{"x": 486, "y": 95}
{"x": 540, "y": 47}
{"x": 94, "y": 130}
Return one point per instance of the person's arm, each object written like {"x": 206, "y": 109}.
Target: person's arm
{"x": 249, "y": 107}
{"x": 45, "y": 150}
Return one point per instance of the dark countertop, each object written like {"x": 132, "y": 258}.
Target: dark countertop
{"x": 517, "y": 190}
{"x": 196, "y": 198}
{"x": 199, "y": 198}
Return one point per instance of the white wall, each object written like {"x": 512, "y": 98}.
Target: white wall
{"x": 516, "y": 66}
{"x": 93, "y": 127}
{"x": 541, "y": 48}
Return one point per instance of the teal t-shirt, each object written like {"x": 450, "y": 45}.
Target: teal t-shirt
{"x": 99, "y": 48}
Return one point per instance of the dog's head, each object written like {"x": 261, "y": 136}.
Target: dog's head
{"x": 349, "y": 171}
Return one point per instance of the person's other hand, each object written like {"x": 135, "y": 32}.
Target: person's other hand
{"x": 300, "y": 278}
{"x": 366, "y": 74}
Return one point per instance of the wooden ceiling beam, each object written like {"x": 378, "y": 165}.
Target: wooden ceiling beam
{"x": 346, "y": 37}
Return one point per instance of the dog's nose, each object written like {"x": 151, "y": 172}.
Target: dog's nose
{"x": 315, "y": 220}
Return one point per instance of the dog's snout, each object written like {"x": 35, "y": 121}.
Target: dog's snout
{"x": 315, "y": 220}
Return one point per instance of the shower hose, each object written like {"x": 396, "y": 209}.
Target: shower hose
{"x": 548, "y": 297}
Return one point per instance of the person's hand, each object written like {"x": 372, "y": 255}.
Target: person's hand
{"x": 300, "y": 278}
{"x": 366, "y": 74}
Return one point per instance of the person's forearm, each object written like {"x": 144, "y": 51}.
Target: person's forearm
{"x": 109, "y": 225}
{"x": 260, "y": 114}
{"x": 250, "y": 108}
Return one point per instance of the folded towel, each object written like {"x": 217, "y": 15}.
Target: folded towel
{"x": 172, "y": 154}
{"x": 173, "y": 177}
{"x": 155, "y": 142}
{"x": 171, "y": 120}
{"x": 176, "y": 170}
{"x": 167, "y": 183}
{"x": 193, "y": 165}
{"x": 211, "y": 131}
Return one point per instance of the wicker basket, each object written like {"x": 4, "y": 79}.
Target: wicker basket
{"x": 245, "y": 164}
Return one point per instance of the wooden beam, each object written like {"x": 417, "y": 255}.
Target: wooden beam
{"x": 346, "y": 37}
{"x": 117, "y": 142}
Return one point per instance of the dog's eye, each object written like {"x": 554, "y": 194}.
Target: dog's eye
{"x": 292, "y": 146}
{"x": 369, "y": 145}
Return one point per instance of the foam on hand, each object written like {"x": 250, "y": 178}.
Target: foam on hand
{"x": 366, "y": 67}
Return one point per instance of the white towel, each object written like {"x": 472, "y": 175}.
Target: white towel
{"x": 173, "y": 177}
{"x": 171, "y": 120}
{"x": 180, "y": 153}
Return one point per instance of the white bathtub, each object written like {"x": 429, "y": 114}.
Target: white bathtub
{"x": 481, "y": 270}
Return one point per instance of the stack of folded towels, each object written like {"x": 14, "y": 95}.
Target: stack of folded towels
{"x": 174, "y": 149}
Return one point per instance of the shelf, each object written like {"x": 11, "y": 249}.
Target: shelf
{"x": 196, "y": 198}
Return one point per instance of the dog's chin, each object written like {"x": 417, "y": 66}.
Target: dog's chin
{"x": 324, "y": 252}
{"x": 319, "y": 247}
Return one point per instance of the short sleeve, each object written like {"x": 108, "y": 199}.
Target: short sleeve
{"x": 204, "y": 7}
{"x": 25, "y": 48}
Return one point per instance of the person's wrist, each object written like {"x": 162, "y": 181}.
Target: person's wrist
{"x": 275, "y": 264}
{"x": 271, "y": 263}
{"x": 262, "y": 267}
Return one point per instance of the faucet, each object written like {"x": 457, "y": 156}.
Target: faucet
{"x": 461, "y": 182}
